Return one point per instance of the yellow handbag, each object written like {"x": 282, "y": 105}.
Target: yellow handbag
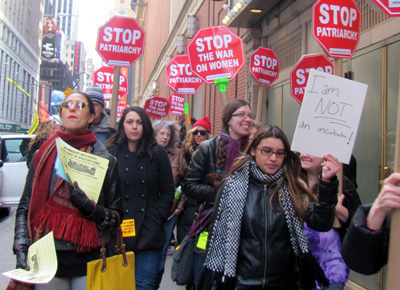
{"x": 117, "y": 272}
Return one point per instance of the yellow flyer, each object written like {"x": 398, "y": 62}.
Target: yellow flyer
{"x": 42, "y": 262}
{"x": 87, "y": 169}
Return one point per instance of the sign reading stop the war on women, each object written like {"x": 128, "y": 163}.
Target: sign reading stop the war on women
{"x": 299, "y": 73}
{"x": 264, "y": 66}
{"x": 329, "y": 116}
{"x": 336, "y": 26}
{"x": 180, "y": 77}
{"x": 157, "y": 107}
{"x": 177, "y": 107}
{"x": 120, "y": 41}
{"x": 216, "y": 53}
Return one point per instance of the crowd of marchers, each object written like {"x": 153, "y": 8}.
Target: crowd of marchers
{"x": 256, "y": 214}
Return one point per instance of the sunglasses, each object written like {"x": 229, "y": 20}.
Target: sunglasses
{"x": 77, "y": 104}
{"x": 202, "y": 132}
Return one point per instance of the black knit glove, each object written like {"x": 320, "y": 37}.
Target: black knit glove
{"x": 22, "y": 257}
{"x": 80, "y": 200}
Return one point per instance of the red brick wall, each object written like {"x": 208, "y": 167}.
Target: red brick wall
{"x": 157, "y": 31}
{"x": 210, "y": 14}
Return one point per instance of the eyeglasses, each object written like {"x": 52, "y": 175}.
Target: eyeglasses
{"x": 77, "y": 104}
{"x": 268, "y": 151}
{"x": 244, "y": 115}
{"x": 202, "y": 132}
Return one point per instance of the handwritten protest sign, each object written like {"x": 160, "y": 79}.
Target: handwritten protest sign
{"x": 87, "y": 169}
{"x": 329, "y": 116}
{"x": 42, "y": 262}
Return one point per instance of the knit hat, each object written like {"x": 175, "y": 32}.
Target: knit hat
{"x": 96, "y": 94}
{"x": 204, "y": 122}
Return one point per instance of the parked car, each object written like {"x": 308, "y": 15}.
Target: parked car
{"x": 13, "y": 169}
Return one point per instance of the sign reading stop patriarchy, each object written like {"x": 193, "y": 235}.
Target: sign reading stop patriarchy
{"x": 391, "y": 7}
{"x": 177, "y": 107}
{"x": 180, "y": 77}
{"x": 264, "y": 66}
{"x": 299, "y": 74}
{"x": 215, "y": 53}
{"x": 120, "y": 41}
{"x": 157, "y": 107}
{"x": 104, "y": 77}
{"x": 336, "y": 26}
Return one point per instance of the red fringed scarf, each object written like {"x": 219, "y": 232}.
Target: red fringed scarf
{"x": 56, "y": 213}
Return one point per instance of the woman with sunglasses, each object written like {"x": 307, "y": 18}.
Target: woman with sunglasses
{"x": 49, "y": 203}
{"x": 147, "y": 189}
{"x": 210, "y": 163}
{"x": 258, "y": 239}
{"x": 195, "y": 136}
{"x": 326, "y": 246}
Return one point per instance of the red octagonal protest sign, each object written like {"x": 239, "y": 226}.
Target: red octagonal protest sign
{"x": 216, "y": 53}
{"x": 336, "y": 26}
{"x": 177, "y": 107}
{"x": 264, "y": 66}
{"x": 180, "y": 77}
{"x": 120, "y": 41}
{"x": 391, "y": 7}
{"x": 299, "y": 74}
{"x": 157, "y": 107}
{"x": 104, "y": 77}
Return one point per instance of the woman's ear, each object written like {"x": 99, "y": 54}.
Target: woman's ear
{"x": 91, "y": 119}
{"x": 253, "y": 152}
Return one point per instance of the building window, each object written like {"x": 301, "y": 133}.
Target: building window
{"x": 288, "y": 49}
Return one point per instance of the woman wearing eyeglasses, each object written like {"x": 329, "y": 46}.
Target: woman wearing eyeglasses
{"x": 210, "y": 163}
{"x": 147, "y": 189}
{"x": 257, "y": 239}
{"x": 49, "y": 203}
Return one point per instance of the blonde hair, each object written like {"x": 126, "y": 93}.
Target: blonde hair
{"x": 189, "y": 144}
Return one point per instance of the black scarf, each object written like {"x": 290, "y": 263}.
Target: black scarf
{"x": 221, "y": 259}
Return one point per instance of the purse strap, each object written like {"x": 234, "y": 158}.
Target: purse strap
{"x": 119, "y": 247}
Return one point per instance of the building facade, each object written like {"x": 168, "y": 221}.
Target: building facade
{"x": 20, "y": 47}
{"x": 286, "y": 27}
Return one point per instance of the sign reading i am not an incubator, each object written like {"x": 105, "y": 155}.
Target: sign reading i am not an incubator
{"x": 329, "y": 116}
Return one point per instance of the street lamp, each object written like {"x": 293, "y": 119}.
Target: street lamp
{"x": 78, "y": 80}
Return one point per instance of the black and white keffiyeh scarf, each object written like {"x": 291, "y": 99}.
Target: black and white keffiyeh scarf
{"x": 223, "y": 248}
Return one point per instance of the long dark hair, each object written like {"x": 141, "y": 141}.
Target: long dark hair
{"x": 298, "y": 189}
{"x": 146, "y": 144}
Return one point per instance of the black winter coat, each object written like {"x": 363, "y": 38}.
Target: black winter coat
{"x": 363, "y": 250}
{"x": 202, "y": 163}
{"x": 266, "y": 259}
{"x": 147, "y": 195}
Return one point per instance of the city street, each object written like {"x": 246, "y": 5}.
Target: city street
{"x": 7, "y": 259}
